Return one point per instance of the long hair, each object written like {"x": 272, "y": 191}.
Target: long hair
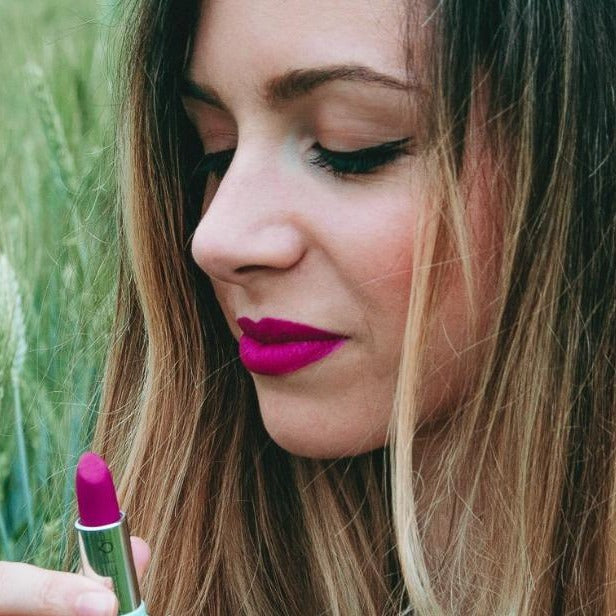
{"x": 524, "y": 466}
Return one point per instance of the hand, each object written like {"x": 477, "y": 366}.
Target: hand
{"x": 26, "y": 590}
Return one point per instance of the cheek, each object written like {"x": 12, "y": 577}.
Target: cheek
{"x": 391, "y": 260}
{"x": 379, "y": 240}
{"x": 456, "y": 342}
{"x": 385, "y": 294}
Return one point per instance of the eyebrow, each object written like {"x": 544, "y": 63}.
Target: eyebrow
{"x": 296, "y": 83}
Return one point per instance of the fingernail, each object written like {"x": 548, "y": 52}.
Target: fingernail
{"x": 96, "y": 604}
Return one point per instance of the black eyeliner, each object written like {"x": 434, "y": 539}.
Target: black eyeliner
{"x": 361, "y": 162}
{"x": 356, "y": 162}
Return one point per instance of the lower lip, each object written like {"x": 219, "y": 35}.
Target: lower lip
{"x": 284, "y": 357}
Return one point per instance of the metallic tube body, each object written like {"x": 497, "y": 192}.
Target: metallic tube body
{"x": 106, "y": 551}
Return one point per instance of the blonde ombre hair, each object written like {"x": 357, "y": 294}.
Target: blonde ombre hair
{"x": 523, "y": 469}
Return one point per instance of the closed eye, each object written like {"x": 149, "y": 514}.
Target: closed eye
{"x": 339, "y": 164}
{"x": 361, "y": 162}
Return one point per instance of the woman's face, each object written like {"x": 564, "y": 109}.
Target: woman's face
{"x": 307, "y": 241}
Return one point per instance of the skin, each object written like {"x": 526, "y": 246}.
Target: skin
{"x": 283, "y": 238}
{"x": 27, "y": 590}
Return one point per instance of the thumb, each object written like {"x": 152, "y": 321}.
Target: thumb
{"x": 141, "y": 555}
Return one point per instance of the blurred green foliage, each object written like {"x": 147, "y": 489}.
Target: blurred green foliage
{"x": 57, "y": 233}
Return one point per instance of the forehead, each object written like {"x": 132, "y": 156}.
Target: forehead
{"x": 245, "y": 43}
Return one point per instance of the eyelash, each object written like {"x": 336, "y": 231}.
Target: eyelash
{"x": 339, "y": 164}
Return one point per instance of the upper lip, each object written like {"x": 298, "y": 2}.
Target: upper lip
{"x": 272, "y": 331}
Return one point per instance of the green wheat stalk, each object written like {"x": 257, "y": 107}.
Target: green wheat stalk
{"x": 57, "y": 143}
{"x": 5, "y": 542}
{"x": 53, "y": 129}
{"x": 13, "y": 341}
{"x": 7, "y": 548}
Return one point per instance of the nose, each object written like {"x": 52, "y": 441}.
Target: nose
{"x": 249, "y": 225}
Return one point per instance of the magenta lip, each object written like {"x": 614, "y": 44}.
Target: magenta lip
{"x": 275, "y": 347}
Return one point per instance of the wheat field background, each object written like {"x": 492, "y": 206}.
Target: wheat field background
{"x": 57, "y": 268}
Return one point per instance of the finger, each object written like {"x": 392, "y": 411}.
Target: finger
{"x": 107, "y": 582}
{"x": 28, "y": 590}
{"x": 141, "y": 555}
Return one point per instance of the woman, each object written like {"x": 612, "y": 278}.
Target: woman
{"x": 404, "y": 214}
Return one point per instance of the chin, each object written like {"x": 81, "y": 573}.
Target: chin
{"x": 317, "y": 431}
{"x": 317, "y": 449}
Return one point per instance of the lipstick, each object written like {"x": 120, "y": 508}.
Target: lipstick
{"x": 275, "y": 347}
{"x": 104, "y": 538}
